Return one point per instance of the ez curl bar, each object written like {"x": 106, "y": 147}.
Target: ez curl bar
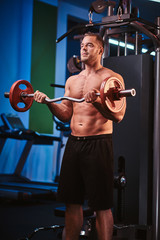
{"x": 111, "y": 93}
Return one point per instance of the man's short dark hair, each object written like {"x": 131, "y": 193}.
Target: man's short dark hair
{"x": 98, "y": 37}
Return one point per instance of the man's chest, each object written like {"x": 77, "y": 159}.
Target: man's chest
{"x": 83, "y": 85}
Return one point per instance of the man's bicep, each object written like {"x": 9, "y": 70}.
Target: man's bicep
{"x": 67, "y": 103}
{"x": 67, "y": 87}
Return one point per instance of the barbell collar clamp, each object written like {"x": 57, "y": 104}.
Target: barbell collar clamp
{"x": 127, "y": 93}
{"x": 6, "y": 94}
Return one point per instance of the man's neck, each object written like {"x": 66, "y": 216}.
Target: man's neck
{"x": 89, "y": 69}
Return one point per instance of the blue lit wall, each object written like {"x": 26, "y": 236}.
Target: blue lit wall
{"x": 15, "y": 60}
{"x": 15, "y": 47}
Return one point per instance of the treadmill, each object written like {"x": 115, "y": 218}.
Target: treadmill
{"x": 15, "y": 186}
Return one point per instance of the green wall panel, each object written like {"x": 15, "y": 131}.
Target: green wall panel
{"x": 43, "y": 63}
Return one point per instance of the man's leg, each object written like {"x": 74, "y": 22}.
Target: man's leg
{"x": 73, "y": 221}
{"x": 104, "y": 224}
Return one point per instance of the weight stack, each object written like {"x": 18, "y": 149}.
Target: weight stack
{"x": 133, "y": 137}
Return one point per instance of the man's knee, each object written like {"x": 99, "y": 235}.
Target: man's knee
{"x": 74, "y": 208}
{"x": 105, "y": 215}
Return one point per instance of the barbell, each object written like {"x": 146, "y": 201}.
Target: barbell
{"x": 111, "y": 93}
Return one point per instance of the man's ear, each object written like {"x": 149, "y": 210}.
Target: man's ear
{"x": 101, "y": 51}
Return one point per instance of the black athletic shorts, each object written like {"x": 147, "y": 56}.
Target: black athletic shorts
{"x": 87, "y": 172}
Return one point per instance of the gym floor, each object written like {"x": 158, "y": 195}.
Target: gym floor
{"x": 19, "y": 219}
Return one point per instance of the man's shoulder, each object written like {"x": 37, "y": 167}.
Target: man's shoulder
{"x": 106, "y": 72}
{"x": 71, "y": 78}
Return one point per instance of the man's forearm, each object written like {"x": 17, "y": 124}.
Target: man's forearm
{"x": 115, "y": 117}
{"x": 61, "y": 111}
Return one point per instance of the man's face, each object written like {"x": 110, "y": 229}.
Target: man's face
{"x": 90, "y": 49}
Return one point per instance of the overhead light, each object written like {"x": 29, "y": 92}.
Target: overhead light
{"x": 153, "y": 53}
{"x": 158, "y": 1}
{"x": 121, "y": 44}
{"x": 129, "y": 46}
{"x": 144, "y": 50}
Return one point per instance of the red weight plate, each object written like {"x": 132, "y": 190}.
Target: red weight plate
{"x": 107, "y": 97}
{"x": 15, "y": 95}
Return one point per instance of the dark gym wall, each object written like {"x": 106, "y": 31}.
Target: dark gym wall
{"x": 133, "y": 136}
{"x": 43, "y": 63}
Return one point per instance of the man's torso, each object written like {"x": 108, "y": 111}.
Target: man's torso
{"x": 86, "y": 119}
